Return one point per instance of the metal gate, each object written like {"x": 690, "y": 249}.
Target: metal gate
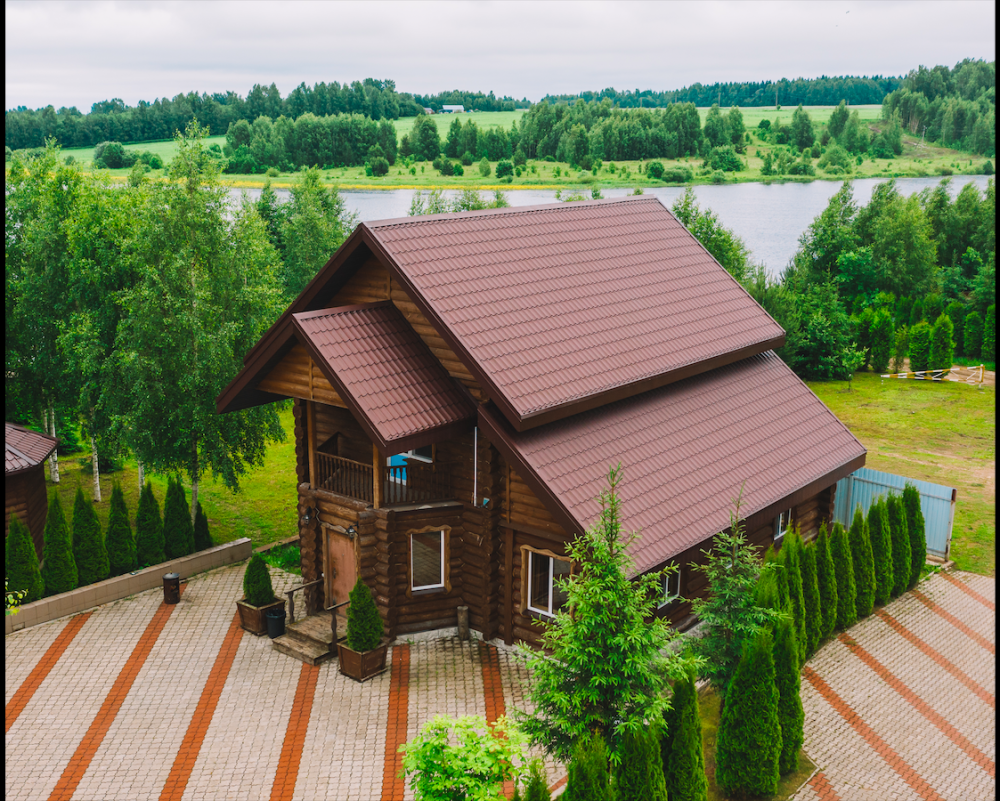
{"x": 863, "y": 487}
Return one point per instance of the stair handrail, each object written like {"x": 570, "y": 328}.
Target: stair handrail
{"x": 333, "y": 619}
{"x": 291, "y": 597}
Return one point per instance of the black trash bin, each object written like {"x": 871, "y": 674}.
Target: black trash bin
{"x": 171, "y": 588}
{"x": 275, "y": 622}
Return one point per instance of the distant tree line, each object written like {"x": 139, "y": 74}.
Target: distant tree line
{"x": 955, "y": 107}
{"x": 472, "y": 101}
{"x": 822, "y": 91}
{"x": 112, "y": 120}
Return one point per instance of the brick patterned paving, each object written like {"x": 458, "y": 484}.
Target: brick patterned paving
{"x": 287, "y": 774}
{"x": 898, "y": 707}
{"x": 393, "y": 787}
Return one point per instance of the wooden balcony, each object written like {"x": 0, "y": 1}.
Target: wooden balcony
{"x": 414, "y": 482}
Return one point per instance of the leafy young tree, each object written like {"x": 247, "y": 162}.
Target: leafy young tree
{"x": 207, "y": 292}
{"x": 840, "y": 547}
{"x": 838, "y": 120}
{"x": 453, "y": 759}
{"x": 58, "y": 565}
{"x": 915, "y": 530}
{"x": 803, "y": 134}
{"x": 587, "y": 775}
{"x": 881, "y": 543}
{"x": 607, "y": 667}
{"x": 728, "y": 613}
{"x": 149, "y": 544}
{"x": 716, "y": 129}
{"x": 681, "y": 750}
{"x": 826, "y": 577}
{"x": 864, "y": 565}
{"x": 21, "y": 562}
{"x": 749, "y": 742}
{"x": 920, "y": 346}
{"x": 89, "y": 551}
{"x": 942, "y": 354}
{"x": 902, "y": 559}
{"x": 120, "y": 542}
{"x": 727, "y": 248}
{"x": 786, "y": 678}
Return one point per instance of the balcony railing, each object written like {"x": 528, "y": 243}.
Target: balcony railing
{"x": 414, "y": 482}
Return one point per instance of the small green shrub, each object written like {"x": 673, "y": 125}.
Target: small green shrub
{"x": 58, "y": 565}
{"x": 901, "y": 556}
{"x": 749, "y": 740}
{"x": 916, "y": 533}
{"x": 202, "y": 537}
{"x": 148, "y": 530}
{"x": 879, "y": 536}
{"x": 681, "y": 750}
{"x": 484, "y": 167}
{"x": 655, "y": 170}
{"x": 677, "y": 175}
{"x": 790, "y": 713}
{"x": 536, "y": 788}
{"x": 89, "y": 552}
{"x": 843, "y": 568}
{"x": 864, "y": 565}
{"x": 467, "y": 159}
{"x": 639, "y": 775}
{"x": 21, "y": 562}
{"x": 380, "y": 166}
{"x": 458, "y": 169}
{"x": 364, "y": 623}
{"x": 826, "y": 577}
{"x": 587, "y": 774}
{"x": 120, "y": 542}
{"x": 504, "y": 168}
{"x": 257, "y": 587}
{"x": 272, "y": 172}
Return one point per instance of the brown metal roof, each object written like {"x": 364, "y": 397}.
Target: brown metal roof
{"x": 685, "y": 450}
{"x": 561, "y": 308}
{"x": 398, "y": 390}
{"x": 24, "y": 449}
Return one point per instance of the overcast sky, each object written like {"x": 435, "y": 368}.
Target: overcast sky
{"x": 76, "y": 53}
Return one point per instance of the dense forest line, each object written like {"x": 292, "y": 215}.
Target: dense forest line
{"x": 822, "y": 91}
{"x": 955, "y": 107}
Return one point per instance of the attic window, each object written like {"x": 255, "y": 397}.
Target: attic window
{"x": 670, "y": 587}
{"x": 781, "y": 524}
{"x": 545, "y": 597}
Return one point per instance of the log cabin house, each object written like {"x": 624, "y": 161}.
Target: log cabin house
{"x": 25, "y": 452}
{"x": 463, "y": 382}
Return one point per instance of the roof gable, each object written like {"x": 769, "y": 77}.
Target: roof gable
{"x": 24, "y": 449}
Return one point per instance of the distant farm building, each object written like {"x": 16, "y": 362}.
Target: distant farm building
{"x": 24, "y": 480}
{"x": 428, "y": 110}
{"x": 452, "y": 109}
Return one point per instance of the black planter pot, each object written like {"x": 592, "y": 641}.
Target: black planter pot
{"x": 275, "y": 622}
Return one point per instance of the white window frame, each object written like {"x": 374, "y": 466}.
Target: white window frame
{"x": 550, "y": 612}
{"x": 412, "y": 454}
{"x": 781, "y": 524}
{"x": 670, "y": 587}
{"x": 426, "y": 587}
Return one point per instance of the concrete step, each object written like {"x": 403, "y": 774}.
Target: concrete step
{"x": 304, "y": 650}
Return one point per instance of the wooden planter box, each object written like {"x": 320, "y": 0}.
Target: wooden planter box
{"x": 362, "y": 665}
{"x": 252, "y": 618}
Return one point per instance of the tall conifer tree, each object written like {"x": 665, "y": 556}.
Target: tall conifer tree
{"x": 791, "y": 552}
{"x": 120, "y": 542}
{"x": 915, "y": 529}
{"x": 847, "y": 593}
{"x": 149, "y": 529}
{"x": 21, "y": 562}
{"x": 902, "y": 562}
{"x": 810, "y": 594}
{"x": 89, "y": 551}
{"x": 790, "y": 712}
{"x": 178, "y": 532}
{"x": 587, "y": 775}
{"x": 58, "y": 565}
{"x": 864, "y": 566}
{"x": 681, "y": 746}
{"x": 881, "y": 544}
{"x": 639, "y": 775}
{"x": 826, "y": 576}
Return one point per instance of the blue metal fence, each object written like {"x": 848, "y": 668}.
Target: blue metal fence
{"x": 863, "y": 487}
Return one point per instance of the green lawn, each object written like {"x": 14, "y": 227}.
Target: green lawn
{"x": 264, "y": 510}
{"x": 940, "y": 432}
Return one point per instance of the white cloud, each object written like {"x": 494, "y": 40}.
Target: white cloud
{"x": 77, "y": 53}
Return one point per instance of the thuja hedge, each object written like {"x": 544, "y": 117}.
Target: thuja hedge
{"x": 88, "y": 542}
{"x": 826, "y": 577}
{"x": 149, "y": 529}
{"x": 21, "y": 562}
{"x": 58, "y": 567}
{"x": 178, "y": 531}
{"x": 791, "y": 552}
{"x": 587, "y": 775}
{"x": 120, "y": 542}
{"x": 864, "y": 568}
{"x": 843, "y": 569}
{"x": 639, "y": 775}
{"x": 878, "y": 533}
{"x": 790, "y": 713}
{"x": 901, "y": 558}
{"x": 681, "y": 749}
{"x": 915, "y": 530}
{"x": 810, "y": 593}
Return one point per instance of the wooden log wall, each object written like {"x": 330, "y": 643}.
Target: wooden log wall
{"x": 297, "y": 376}
{"x": 25, "y": 495}
{"x": 372, "y": 283}
{"x": 300, "y": 426}
{"x": 354, "y": 442}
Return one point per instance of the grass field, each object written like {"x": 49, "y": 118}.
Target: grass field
{"x": 918, "y": 159}
{"x": 483, "y": 120}
{"x": 752, "y": 115}
{"x": 939, "y": 432}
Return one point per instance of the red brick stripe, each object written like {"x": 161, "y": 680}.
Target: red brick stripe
{"x": 917, "y": 703}
{"x": 41, "y": 671}
{"x": 892, "y": 759}
{"x": 295, "y": 737}
{"x": 186, "y": 757}
{"x": 953, "y": 669}
{"x": 559, "y": 784}
{"x": 496, "y": 707}
{"x": 822, "y": 787}
{"x": 969, "y": 591}
{"x": 84, "y": 754}
{"x": 958, "y": 624}
{"x": 393, "y": 787}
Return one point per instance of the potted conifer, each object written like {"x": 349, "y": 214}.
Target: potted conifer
{"x": 258, "y": 597}
{"x": 363, "y": 655}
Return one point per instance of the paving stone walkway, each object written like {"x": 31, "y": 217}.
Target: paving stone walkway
{"x": 140, "y": 700}
{"x": 903, "y": 705}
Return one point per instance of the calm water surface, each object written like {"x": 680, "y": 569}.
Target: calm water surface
{"x": 770, "y": 219}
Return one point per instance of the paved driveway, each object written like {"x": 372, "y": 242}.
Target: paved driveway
{"x": 903, "y": 705}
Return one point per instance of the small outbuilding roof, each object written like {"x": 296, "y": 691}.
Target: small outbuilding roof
{"x": 685, "y": 450}
{"x": 24, "y": 449}
{"x": 402, "y": 395}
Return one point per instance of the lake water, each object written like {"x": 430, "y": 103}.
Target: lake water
{"x": 769, "y": 218}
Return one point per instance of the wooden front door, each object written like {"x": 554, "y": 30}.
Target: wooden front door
{"x": 340, "y": 566}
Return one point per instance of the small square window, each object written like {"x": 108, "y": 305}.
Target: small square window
{"x": 781, "y": 524}
{"x": 670, "y": 587}
{"x": 544, "y": 595}
{"x": 427, "y": 560}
